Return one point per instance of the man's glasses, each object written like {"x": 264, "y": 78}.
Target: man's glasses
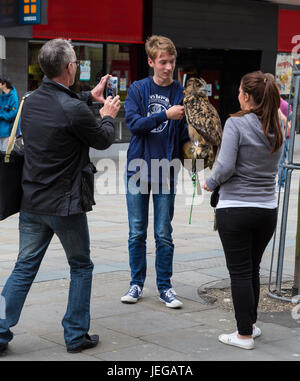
{"x": 76, "y": 62}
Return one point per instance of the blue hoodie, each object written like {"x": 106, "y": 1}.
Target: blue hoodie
{"x": 141, "y": 120}
{"x": 9, "y": 104}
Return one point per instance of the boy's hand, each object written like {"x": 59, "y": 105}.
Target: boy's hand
{"x": 175, "y": 112}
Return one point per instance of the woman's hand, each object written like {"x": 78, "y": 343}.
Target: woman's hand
{"x": 205, "y": 187}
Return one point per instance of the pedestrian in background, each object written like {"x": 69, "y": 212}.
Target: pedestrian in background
{"x": 246, "y": 213}
{"x": 284, "y": 114}
{"x": 155, "y": 116}
{"x": 9, "y": 104}
{"x": 58, "y": 129}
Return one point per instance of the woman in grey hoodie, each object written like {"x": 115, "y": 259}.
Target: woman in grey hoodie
{"x": 247, "y": 209}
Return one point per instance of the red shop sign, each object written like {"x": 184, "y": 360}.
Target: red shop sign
{"x": 288, "y": 30}
{"x": 93, "y": 20}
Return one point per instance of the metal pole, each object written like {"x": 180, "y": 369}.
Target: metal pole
{"x": 290, "y": 167}
{"x": 283, "y": 230}
{"x": 294, "y": 119}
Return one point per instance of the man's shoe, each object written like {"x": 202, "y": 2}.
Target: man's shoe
{"x": 132, "y": 295}
{"x": 3, "y": 348}
{"x": 88, "y": 342}
{"x": 170, "y": 299}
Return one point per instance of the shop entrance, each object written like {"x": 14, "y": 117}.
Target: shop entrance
{"x": 222, "y": 70}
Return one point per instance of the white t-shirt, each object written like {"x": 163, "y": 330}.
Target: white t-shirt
{"x": 246, "y": 204}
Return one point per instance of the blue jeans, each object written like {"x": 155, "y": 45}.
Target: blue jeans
{"x": 138, "y": 211}
{"x": 36, "y": 232}
{"x": 282, "y": 171}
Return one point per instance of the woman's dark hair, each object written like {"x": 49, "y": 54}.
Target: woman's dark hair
{"x": 265, "y": 94}
{"x": 7, "y": 82}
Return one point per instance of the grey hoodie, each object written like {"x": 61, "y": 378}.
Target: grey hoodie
{"x": 245, "y": 168}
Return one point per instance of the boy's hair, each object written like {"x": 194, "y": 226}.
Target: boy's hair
{"x": 156, "y": 43}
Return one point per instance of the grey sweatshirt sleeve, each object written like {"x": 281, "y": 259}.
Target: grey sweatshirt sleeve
{"x": 226, "y": 161}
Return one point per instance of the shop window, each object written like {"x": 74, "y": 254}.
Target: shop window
{"x": 122, "y": 62}
{"x": 35, "y": 74}
{"x": 91, "y": 66}
{"x": 88, "y": 74}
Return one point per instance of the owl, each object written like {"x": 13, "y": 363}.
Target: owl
{"x": 204, "y": 125}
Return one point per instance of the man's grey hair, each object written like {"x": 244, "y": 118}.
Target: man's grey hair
{"x": 54, "y": 57}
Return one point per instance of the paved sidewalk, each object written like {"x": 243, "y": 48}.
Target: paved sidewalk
{"x": 147, "y": 330}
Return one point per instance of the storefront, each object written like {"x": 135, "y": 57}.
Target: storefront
{"x": 106, "y": 39}
{"x": 288, "y": 47}
{"x": 288, "y": 52}
{"x": 220, "y": 41}
{"x": 222, "y": 71}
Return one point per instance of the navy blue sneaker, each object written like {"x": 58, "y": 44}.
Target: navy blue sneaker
{"x": 132, "y": 295}
{"x": 169, "y": 297}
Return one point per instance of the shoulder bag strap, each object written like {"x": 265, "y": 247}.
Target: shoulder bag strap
{"x": 11, "y": 142}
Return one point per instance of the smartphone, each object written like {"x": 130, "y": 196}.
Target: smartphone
{"x": 112, "y": 87}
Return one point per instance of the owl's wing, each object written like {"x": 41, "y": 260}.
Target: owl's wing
{"x": 215, "y": 126}
{"x": 204, "y": 118}
{"x": 192, "y": 111}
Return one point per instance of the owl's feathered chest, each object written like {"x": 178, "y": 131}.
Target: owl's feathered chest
{"x": 203, "y": 117}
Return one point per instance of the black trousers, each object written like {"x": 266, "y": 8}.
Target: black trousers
{"x": 245, "y": 233}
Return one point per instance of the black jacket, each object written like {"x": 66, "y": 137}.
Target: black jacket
{"x": 58, "y": 128}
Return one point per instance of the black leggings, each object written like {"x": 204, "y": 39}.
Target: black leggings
{"x": 245, "y": 233}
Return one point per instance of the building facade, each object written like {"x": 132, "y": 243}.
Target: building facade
{"x": 220, "y": 40}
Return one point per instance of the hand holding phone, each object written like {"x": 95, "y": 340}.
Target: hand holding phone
{"x": 111, "y": 107}
{"x": 98, "y": 90}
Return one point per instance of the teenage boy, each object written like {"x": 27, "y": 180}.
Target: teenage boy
{"x": 155, "y": 116}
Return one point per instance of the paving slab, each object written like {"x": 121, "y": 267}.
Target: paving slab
{"x": 141, "y": 323}
{"x": 194, "y": 341}
{"x": 146, "y": 352}
{"x": 109, "y": 340}
{"x": 148, "y": 330}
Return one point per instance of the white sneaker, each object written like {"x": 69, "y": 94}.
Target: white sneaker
{"x": 232, "y": 339}
{"x": 132, "y": 295}
{"x": 256, "y": 332}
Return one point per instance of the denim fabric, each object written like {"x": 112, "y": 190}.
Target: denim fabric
{"x": 138, "y": 213}
{"x": 36, "y": 232}
{"x": 282, "y": 171}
